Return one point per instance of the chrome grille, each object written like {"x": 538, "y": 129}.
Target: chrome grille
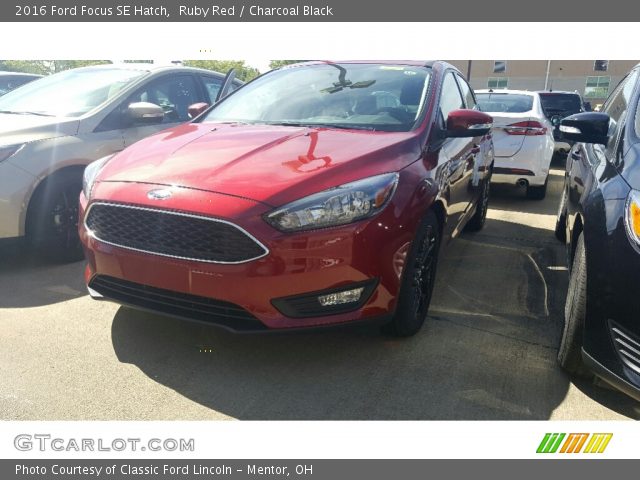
{"x": 172, "y": 234}
{"x": 627, "y": 346}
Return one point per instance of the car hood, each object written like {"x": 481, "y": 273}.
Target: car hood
{"x": 29, "y": 128}
{"x": 267, "y": 163}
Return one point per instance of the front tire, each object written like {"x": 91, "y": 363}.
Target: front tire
{"x": 570, "y": 350}
{"x": 52, "y": 218}
{"x": 417, "y": 280}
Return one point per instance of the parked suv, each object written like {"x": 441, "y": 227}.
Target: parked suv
{"x": 318, "y": 194}
{"x": 556, "y": 106}
{"x": 51, "y": 129}
{"x": 599, "y": 219}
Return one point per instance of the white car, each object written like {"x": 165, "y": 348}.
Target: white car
{"x": 522, "y": 138}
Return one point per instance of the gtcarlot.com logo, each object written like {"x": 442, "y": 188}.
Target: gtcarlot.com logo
{"x": 45, "y": 443}
{"x": 574, "y": 443}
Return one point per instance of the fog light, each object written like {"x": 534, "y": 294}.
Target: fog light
{"x": 348, "y": 296}
{"x": 331, "y": 301}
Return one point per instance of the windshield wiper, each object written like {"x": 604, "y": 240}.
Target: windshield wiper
{"x": 345, "y": 126}
{"x": 340, "y": 126}
{"x": 40, "y": 114}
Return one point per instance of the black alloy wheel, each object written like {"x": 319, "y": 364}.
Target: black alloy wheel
{"x": 418, "y": 281}
{"x": 52, "y": 219}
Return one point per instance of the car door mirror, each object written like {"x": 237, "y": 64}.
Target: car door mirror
{"x": 145, "y": 113}
{"x": 588, "y": 127}
{"x": 468, "y": 123}
{"x": 197, "y": 108}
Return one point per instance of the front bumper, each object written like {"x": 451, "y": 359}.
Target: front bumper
{"x": 611, "y": 342}
{"x": 16, "y": 186}
{"x": 612, "y": 378}
{"x": 296, "y": 264}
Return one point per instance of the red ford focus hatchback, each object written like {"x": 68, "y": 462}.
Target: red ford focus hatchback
{"x": 318, "y": 194}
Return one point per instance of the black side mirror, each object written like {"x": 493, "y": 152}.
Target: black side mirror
{"x": 587, "y": 127}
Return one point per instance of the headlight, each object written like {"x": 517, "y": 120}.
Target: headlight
{"x": 9, "y": 151}
{"x": 337, "y": 206}
{"x": 632, "y": 217}
{"x": 91, "y": 173}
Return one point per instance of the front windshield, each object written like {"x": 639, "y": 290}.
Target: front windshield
{"x": 68, "y": 94}
{"x": 355, "y": 96}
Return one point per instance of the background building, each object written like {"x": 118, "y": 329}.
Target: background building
{"x": 593, "y": 79}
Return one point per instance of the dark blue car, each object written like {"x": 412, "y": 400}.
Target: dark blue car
{"x": 599, "y": 219}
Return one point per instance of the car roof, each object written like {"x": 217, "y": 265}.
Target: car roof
{"x": 22, "y": 74}
{"x": 147, "y": 67}
{"x": 505, "y": 90}
{"x": 415, "y": 63}
{"x": 410, "y": 63}
{"x": 556, "y": 92}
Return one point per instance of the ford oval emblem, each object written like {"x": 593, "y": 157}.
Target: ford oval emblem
{"x": 159, "y": 194}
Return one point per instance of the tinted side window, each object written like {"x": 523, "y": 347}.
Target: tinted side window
{"x": 616, "y": 107}
{"x": 212, "y": 85}
{"x": 8, "y": 83}
{"x": 467, "y": 93}
{"x": 174, "y": 93}
{"x": 450, "y": 98}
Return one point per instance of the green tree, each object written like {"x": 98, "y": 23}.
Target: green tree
{"x": 46, "y": 67}
{"x": 281, "y": 63}
{"x": 41, "y": 67}
{"x": 243, "y": 71}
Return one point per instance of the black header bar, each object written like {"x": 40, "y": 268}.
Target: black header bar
{"x": 320, "y": 11}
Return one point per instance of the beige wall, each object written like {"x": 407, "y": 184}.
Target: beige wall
{"x": 570, "y": 75}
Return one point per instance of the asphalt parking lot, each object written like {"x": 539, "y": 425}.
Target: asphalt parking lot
{"x": 486, "y": 352}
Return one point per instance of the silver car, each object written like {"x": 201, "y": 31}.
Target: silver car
{"x": 52, "y": 128}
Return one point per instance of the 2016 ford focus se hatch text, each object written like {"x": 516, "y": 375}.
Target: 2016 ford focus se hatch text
{"x": 318, "y": 194}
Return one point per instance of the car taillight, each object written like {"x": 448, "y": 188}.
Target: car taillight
{"x": 530, "y": 127}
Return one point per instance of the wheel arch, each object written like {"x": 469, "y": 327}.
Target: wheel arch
{"x": 75, "y": 169}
